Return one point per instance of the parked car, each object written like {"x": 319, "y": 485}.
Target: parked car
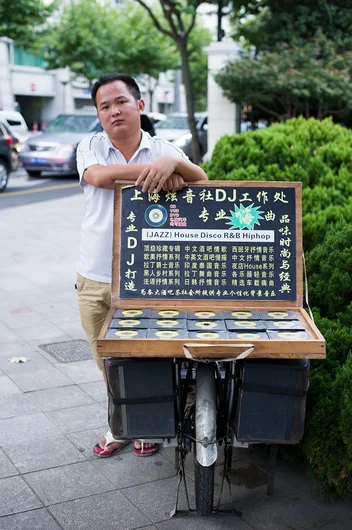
{"x": 8, "y": 155}
{"x": 54, "y": 149}
{"x": 175, "y": 129}
{"x": 16, "y": 122}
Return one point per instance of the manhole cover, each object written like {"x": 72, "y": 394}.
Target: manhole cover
{"x": 69, "y": 352}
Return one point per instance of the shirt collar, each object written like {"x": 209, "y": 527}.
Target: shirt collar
{"x": 144, "y": 144}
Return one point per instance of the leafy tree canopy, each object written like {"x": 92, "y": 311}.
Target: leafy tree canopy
{"x": 94, "y": 38}
{"x": 22, "y": 20}
{"x": 264, "y": 23}
{"x": 313, "y": 80}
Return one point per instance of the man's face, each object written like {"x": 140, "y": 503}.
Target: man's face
{"x": 118, "y": 111}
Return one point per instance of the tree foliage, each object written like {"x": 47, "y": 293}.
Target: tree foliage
{"x": 23, "y": 20}
{"x": 264, "y": 23}
{"x": 93, "y": 39}
{"x": 313, "y": 80}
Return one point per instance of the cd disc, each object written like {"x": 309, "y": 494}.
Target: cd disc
{"x": 205, "y": 335}
{"x": 277, "y": 314}
{"x": 129, "y": 322}
{"x": 206, "y": 325}
{"x": 241, "y": 314}
{"x": 286, "y": 324}
{"x": 126, "y": 333}
{"x": 204, "y": 314}
{"x": 132, "y": 312}
{"x": 246, "y": 323}
{"x": 155, "y": 215}
{"x": 167, "y": 323}
{"x": 287, "y": 334}
{"x": 166, "y": 334}
{"x": 168, "y": 313}
{"x": 246, "y": 336}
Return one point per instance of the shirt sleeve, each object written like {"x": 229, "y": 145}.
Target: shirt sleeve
{"x": 89, "y": 153}
{"x": 163, "y": 147}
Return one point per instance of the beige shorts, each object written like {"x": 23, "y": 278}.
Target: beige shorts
{"x": 94, "y": 303}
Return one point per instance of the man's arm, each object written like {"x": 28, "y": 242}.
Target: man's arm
{"x": 156, "y": 175}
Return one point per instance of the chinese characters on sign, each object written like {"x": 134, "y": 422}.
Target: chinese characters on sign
{"x": 214, "y": 242}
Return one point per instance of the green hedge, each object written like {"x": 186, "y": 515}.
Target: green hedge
{"x": 319, "y": 154}
{"x": 316, "y": 153}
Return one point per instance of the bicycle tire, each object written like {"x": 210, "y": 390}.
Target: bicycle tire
{"x": 204, "y": 488}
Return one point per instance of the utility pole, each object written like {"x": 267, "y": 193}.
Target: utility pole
{"x": 221, "y": 32}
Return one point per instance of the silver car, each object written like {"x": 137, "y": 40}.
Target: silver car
{"x": 54, "y": 149}
{"x": 175, "y": 129}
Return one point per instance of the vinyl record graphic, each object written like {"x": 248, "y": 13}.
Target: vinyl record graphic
{"x": 242, "y": 314}
{"x": 277, "y": 314}
{"x": 167, "y": 334}
{"x": 168, "y": 313}
{"x": 248, "y": 336}
{"x": 130, "y": 323}
{"x": 245, "y": 323}
{"x": 167, "y": 323}
{"x": 284, "y": 324}
{"x": 207, "y": 335}
{"x": 126, "y": 333}
{"x": 289, "y": 334}
{"x": 206, "y": 325}
{"x": 132, "y": 313}
{"x": 155, "y": 215}
{"x": 204, "y": 314}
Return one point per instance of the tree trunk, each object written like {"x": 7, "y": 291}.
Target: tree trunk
{"x": 187, "y": 81}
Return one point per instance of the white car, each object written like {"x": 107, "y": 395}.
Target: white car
{"x": 16, "y": 122}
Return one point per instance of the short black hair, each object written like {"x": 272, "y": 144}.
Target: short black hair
{"x": 110, "y": 78}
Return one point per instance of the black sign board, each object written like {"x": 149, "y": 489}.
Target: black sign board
{"x": 211, "y": 242}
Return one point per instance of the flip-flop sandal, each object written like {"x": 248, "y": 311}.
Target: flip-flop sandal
{"x": 146, "y": 451}
{"x": 105, "y": 452}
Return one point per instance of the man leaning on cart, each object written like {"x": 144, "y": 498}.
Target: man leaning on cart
{"x": 122, "y": 152}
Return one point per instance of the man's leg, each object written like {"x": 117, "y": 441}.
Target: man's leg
{"x": 94, "y": 304}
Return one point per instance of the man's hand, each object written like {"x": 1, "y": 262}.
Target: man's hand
{"x": 156, "y": 174}
{"x": 174, "y": 183}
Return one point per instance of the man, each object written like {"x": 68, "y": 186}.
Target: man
{"x": 122, "y": 152}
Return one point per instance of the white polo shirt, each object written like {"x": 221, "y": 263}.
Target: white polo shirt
{"x": 95, "y": 252}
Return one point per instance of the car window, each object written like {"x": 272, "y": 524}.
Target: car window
{"x": 13, "y": 122}
{"x": 72, "y": 123}
{"x": 174, "y": 122}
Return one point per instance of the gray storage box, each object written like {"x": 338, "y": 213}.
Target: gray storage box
{"x": 141, "y": 397}
{"x": 271, "y": 400}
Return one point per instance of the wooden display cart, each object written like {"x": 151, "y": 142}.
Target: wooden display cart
{"x": 214, "y": 270}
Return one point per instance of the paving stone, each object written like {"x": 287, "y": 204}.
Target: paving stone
{"x": 111, "y": 511}
{"x": 26, "y": 318}
{"x": 17, "y": 405}
{"x": 8, "y": 387}
{"x": 193, "y": 521}
{"x": 45, "y": 332}
{"x": 35, "y": 362}
{"x": 77, "y": 419}
{"x": 96, "y": 389}
{"x": 7, "y": 336}
{"x": 16, "y": 496}
{"x": 43, "y": 454}
{"x": 26, "y": 429}
{"x": 156, "y": 499}
{"x": 341, "y": 511}
{"x": 126, "y": 469}
{"x": 86, "y": 440}
{"x": 48, "y": 377}
{"x": 282, "y": 510}
{"x": 66, "y": 483}
{"x": 7, "y": 469}
{"x": 60, "y": 398}
{"x": 38, "y": 519}
{"x": 81, "y": 371}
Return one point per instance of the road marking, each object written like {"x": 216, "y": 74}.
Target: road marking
{"x": 37, "y": 190}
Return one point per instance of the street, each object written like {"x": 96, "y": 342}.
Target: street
{"x": 22, "y": 189}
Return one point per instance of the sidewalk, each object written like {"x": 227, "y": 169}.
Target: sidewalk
{"x": 52, "y": 413}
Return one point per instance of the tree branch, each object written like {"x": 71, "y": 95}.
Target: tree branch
{"x": 269, "y": 111}
{"x": 155, "y": 20}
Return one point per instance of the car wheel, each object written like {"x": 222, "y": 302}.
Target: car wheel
{"x": 4, "y": 175}
{"x": 33, "y": 173}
